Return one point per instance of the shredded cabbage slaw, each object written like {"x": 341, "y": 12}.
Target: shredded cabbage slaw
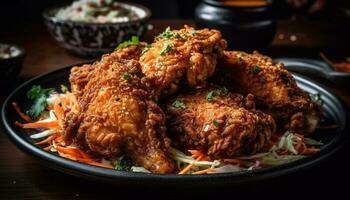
{"x": 290, "y": 146}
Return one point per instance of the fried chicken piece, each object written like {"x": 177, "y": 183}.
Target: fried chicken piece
{"x": 182, "y": 57}
{"x": 79, "y": 75}
{"x": 274, "y": 88}
{"x": 226, "y": 125}
{"x": 116, "y": 117}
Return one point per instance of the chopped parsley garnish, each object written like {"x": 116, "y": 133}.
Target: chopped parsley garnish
{"x": 316, "y": 98}
{"x": 256, "y": 69}
{"x": 217, "y": 92}
{"x": 166, "y": 49}
{"x": 38, "y": 95}
{"x": 147, "y": 48}
{"x": 134, "y": 41}
{"x": 262, "y": 79}
{"x": 179, "y": 104}
{"x": 121, "y": 165}
{"x": 210, "y": 96}
{"x": 177, "y": 36}
{"x": 168, "y": 34}
{"x": 126, "y": 76}
{"x": 193, "y": 33}
{"x": 216, "y": 123}
{"x": 64, "y": 88}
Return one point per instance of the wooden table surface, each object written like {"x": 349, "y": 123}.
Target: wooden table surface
{"x": 22, "y": 177}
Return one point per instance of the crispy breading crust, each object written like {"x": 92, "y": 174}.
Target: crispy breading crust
{"x": 79, "y": 75}
{"x": 116, "y": 116}
{"x": 187, "y": 59}
{"x": 274, "y": 88}
{"x": 224, "y": 127}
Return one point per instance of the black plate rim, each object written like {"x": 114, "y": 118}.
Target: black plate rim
{"x": 98, "y": 173}
{"x": 324, "y": 69}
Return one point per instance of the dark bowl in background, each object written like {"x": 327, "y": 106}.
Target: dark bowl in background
{"x": 94, "y": 39}
{"x": 245, "y": 28}
{"x": 10, "y": 67}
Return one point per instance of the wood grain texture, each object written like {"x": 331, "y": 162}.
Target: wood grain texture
{"x": 22, "y": 177}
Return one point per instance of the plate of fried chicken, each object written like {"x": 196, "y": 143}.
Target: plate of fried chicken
{"x": 181, "y": 109}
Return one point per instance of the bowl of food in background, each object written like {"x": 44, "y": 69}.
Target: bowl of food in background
{"x": 247, "y": 25}
{"x": 94, "y": 27}
{"x": 11, "y": 58}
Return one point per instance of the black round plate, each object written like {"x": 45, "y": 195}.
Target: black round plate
{"x": 315, "y": 67}
{"x": 332, "y": 108}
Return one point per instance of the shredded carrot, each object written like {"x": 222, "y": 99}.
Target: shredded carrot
{"x": 73, "y": 151}
{"x": 48, "y": 148}
{"x": 58, "y": 110}
{"x": 70, "y": 151}
{"x": 48, "y": 139}
{"x": 20, "y": 113}
{"x": 83, "y": 154}
{"x": 189, "y": 166}
{"x": 59, "y": 139}
{"x": 309, "y": 151}
{"x": 197, "y": 153}
{"x": 97, "y": 164}
{"x": 50, "y": 124}
{"x": 204, "y": 171}
{"x": 49, "y": 107}
{"x": 66, "y": 156}
{"x": 79, "y": 155}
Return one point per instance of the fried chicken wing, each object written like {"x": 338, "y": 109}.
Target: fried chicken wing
{"x": 182, "y": 57}
{"x": 222, "y": 126}
{"x": 79, "y": 75}
{"x": 116, "y": 116}
{"x": 274, "y": 88}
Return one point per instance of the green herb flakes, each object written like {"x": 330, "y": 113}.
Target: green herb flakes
{"x": 193, "y": 33}
{"x": 262, "y": 79}
{"x": 168, "y": 34}
{"x": 38, "y": 95}
{"x": 64, "y": 88}
{"x": 134, "y": 41}
{"x": 166, "y": 49}
{"x": 217, "y": 92}
{"x": 126, "y": 76}
{"x": 256, "y": 69}
{"x": 179, "y": 104}
{"x": 147, "y": 48}
{"x": 121, "y": 165}
{"x": 215, "y": 123}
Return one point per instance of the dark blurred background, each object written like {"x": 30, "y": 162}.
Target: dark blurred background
{"x": 305, "y": 28}
{"x": 16, "y": 13}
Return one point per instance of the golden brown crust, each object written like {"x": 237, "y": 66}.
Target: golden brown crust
{"x": 222, "y": 127}
{"x": 187, "y": 59}
{"x": 116, "y": 116}
{"x": 274, "y": 88}
{"x": 80, "y": 75}
{"x": 117, "y": 112}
